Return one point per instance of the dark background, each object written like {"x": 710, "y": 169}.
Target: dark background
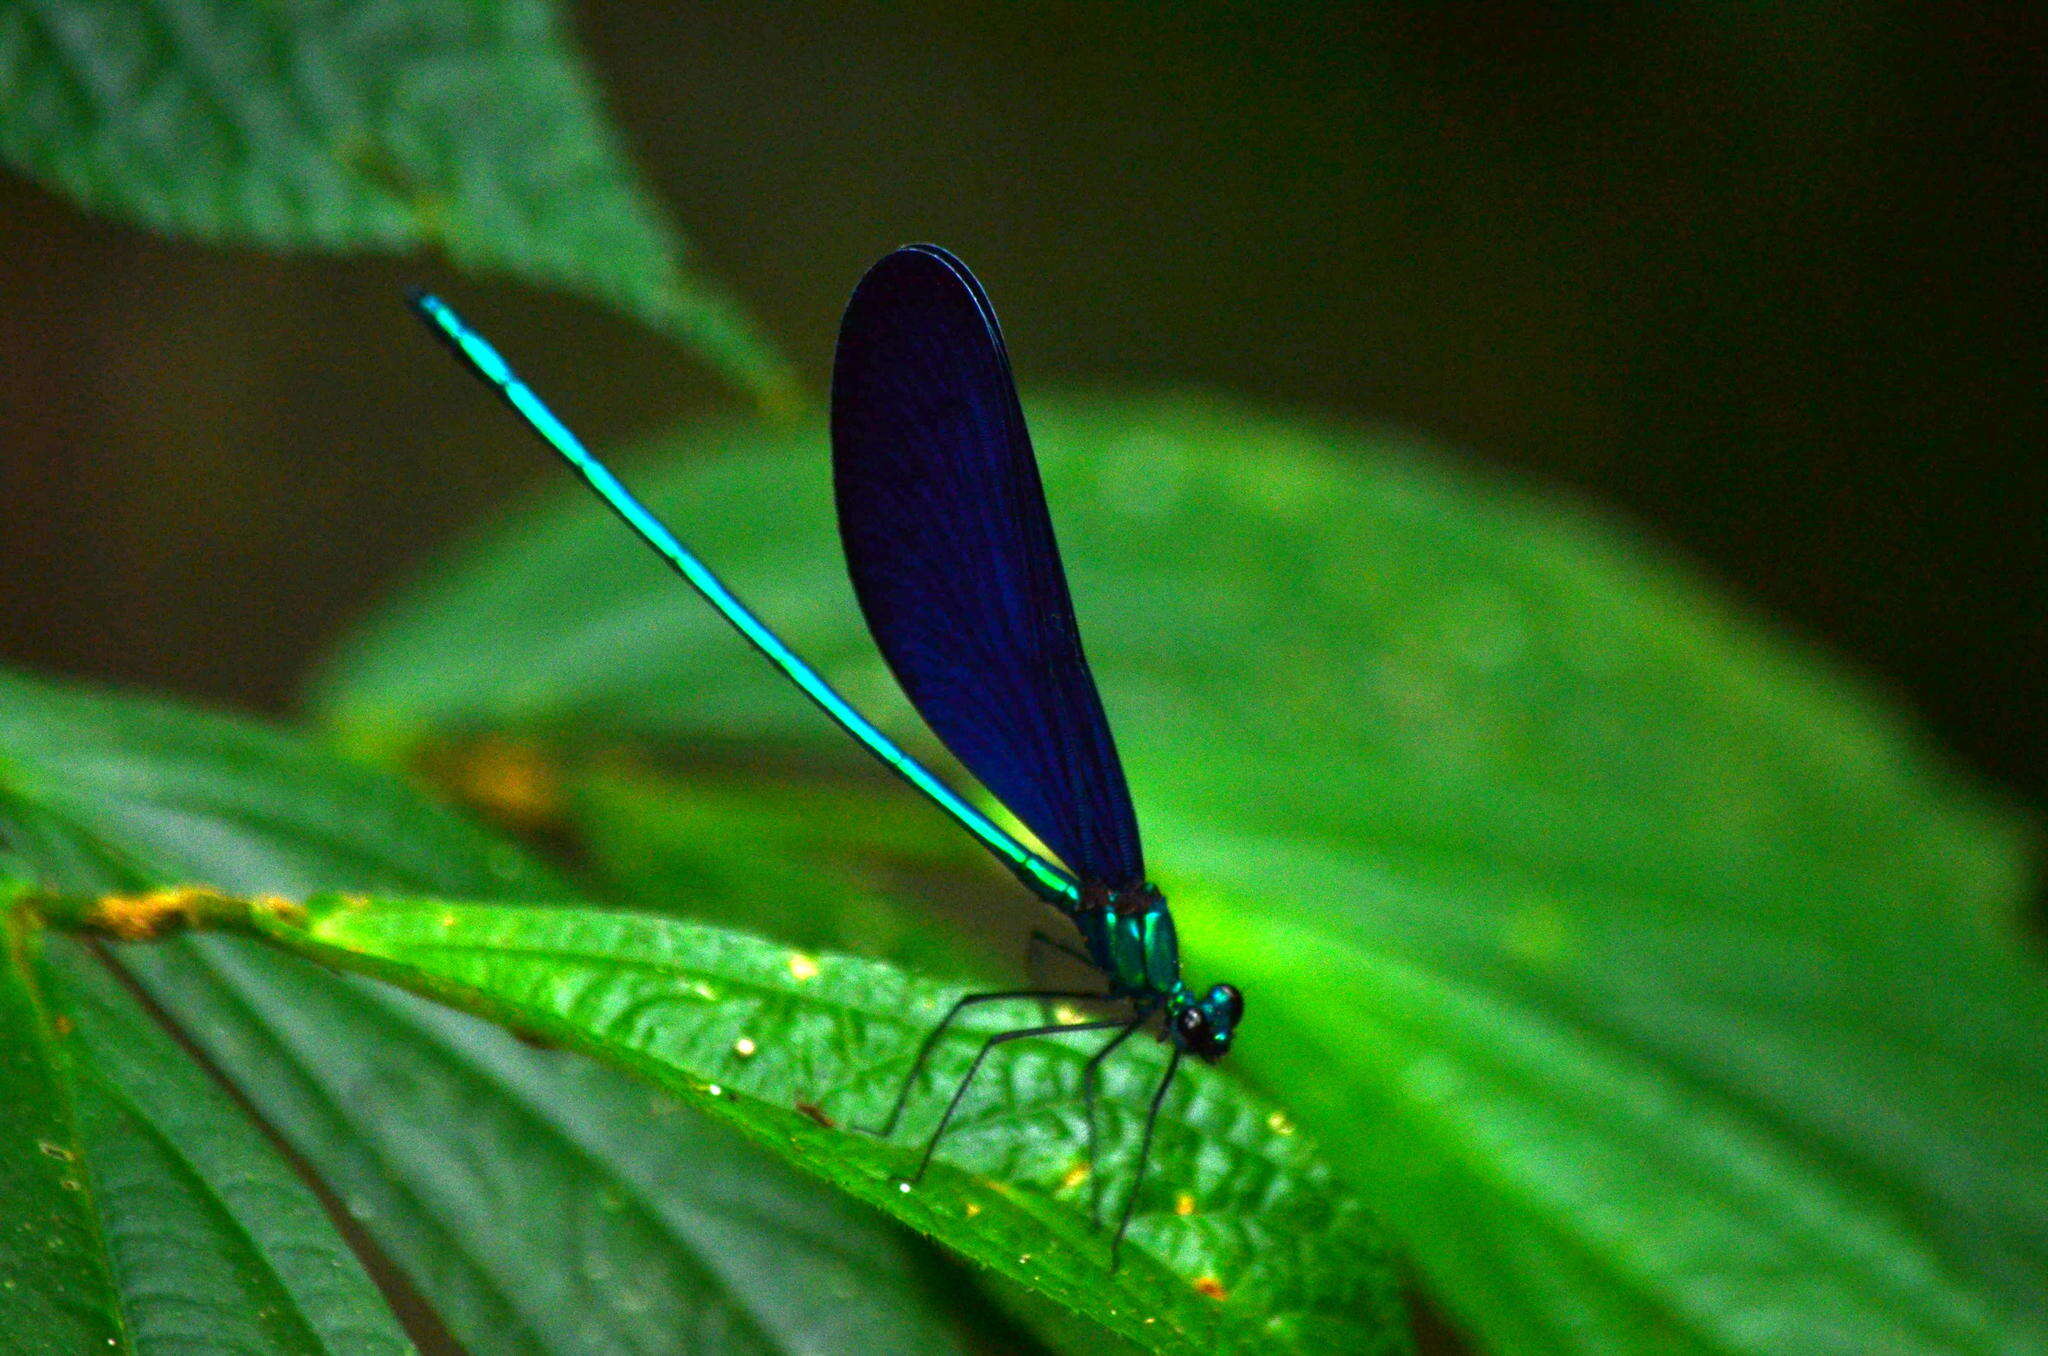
{"x": 1770, "y": 283}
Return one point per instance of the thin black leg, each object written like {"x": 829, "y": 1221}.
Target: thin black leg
{"x": 1034, "y": 955}
{"x": 1088, "y": 1076}
{"x": 1057, "y": 1028}
{"x": 1144, "y": 1156}
{"x": 1042, "y": 941}
{"x": 931, "y": 1040}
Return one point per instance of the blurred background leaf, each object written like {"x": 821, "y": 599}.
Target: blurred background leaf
{"x": 807, "y": 864}
{"x": 1491, "y": 676}
{"x": 342, "y": 128}
{"x": 527, "y": 1200}
{"x": 1668, "y": 991}
{"x": 1764, "y": 279}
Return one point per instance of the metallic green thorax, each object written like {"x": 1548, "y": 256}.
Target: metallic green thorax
{"x": 1142, "y": 950}
{"x": 1130, "y": 935}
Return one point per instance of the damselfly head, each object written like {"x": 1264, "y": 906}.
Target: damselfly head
{"x": 1205, "y": 1026}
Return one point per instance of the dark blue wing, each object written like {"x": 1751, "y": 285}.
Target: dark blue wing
{"x": 953, "y": 557}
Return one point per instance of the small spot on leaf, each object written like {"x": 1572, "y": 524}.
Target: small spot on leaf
{"x": 152, "y": 914}
{"x": 1209, "y": 1286}
{"x": 290, "y": 911}
{"x": 1184, "y": 1204}
{"x": 801, "y": 966}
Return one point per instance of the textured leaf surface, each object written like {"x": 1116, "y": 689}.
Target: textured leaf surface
{"x": 55, "y": 1279}
{"x": 815, "y": 867}
{"x": 634, "y": 1224}
{"x": 173, "y": 1226}
{"x": 357, "y": 127}
{"x": 1658, "y": 982}
{"x": 1241, "y": 1239}
{"x": 530, "y": 1197}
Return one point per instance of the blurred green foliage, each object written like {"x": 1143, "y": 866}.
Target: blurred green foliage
{"x": 1658, "y": 984}
{"x": 1648, "y": 978}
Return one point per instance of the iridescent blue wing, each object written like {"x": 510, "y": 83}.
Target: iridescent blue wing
{"x": 952, "y": 555}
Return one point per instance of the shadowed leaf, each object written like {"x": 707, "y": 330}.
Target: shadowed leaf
{"x": 177, "y": 1227}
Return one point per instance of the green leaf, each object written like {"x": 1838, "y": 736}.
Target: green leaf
{"x": 107, "y": 791}
{"x": 1614, "y": 1122}
{"x": 55, "y": 1277}
{"x": 1661, "y": 985}
{"x": 175, "y": 1227}
{"x": 815, "y": 868}
{"x": 567, "y": 1208}
{"x": 359, "y": 128}
{"x": 530, "y": 1198}
{"x": 1240, "y": 1239}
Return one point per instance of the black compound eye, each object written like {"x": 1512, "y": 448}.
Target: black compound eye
{"x": 1191, "y": 1022}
